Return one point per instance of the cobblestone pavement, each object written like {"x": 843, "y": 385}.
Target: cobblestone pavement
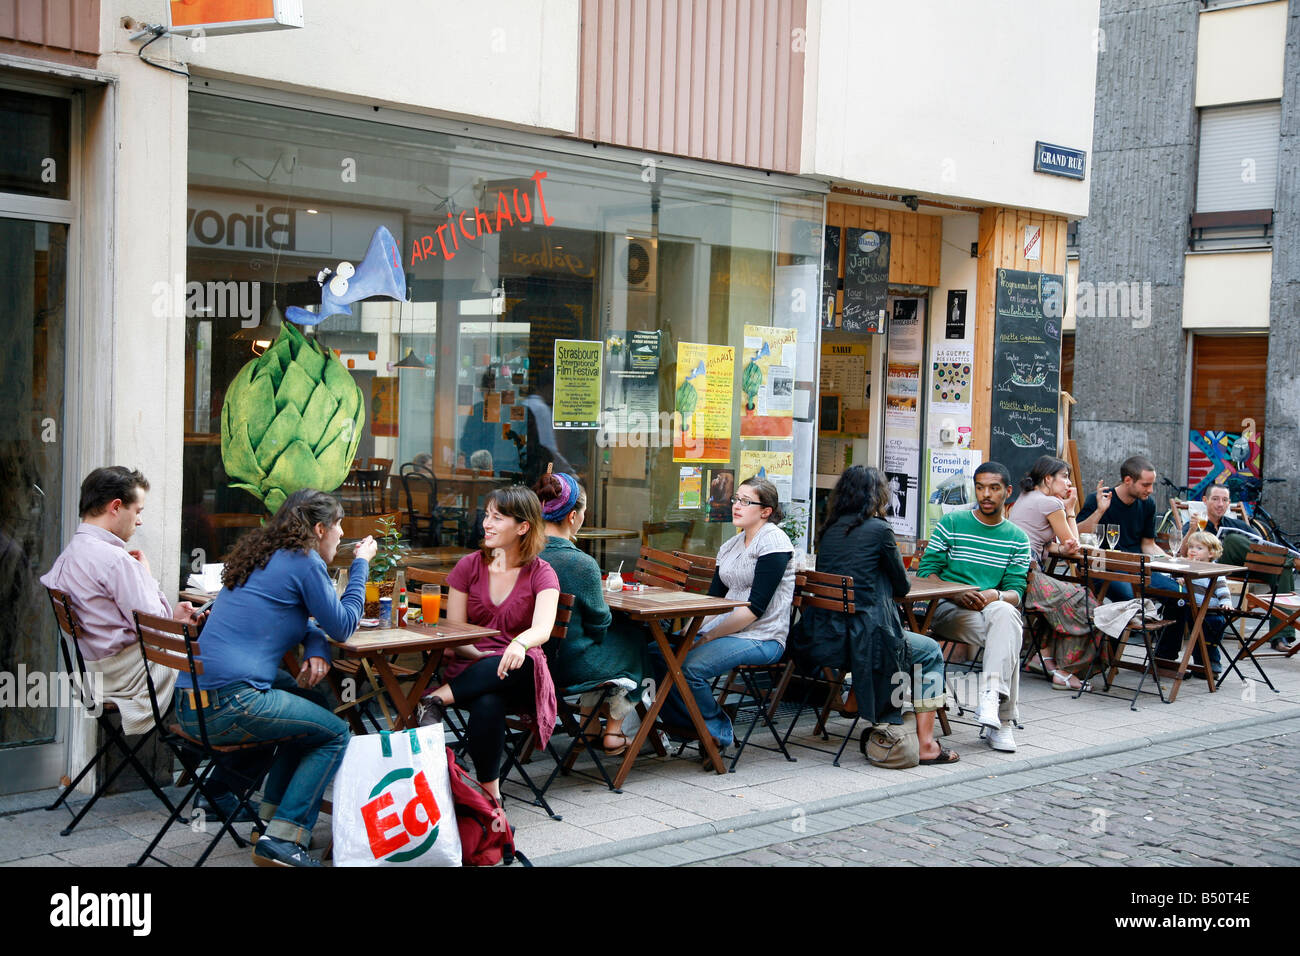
{"x": 1213, "y": 808}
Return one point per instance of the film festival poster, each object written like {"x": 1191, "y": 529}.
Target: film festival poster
{"x": 577, "y": 383}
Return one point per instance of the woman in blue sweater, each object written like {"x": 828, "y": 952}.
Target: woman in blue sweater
{"x": 276, "y": 578}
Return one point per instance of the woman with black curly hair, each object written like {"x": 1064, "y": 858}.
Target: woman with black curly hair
{"x": 276, "y": 578}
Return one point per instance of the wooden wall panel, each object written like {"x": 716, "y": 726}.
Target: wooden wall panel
{"x": 916, "y": 239}
{"x": 711, "y": 79}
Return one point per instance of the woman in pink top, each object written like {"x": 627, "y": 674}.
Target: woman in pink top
{"x": 1044, "y": 512}
{"x": 505, "y": 586}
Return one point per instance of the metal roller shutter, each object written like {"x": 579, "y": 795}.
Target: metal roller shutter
{"x": 1238, "y": 158}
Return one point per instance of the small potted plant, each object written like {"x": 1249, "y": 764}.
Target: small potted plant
{"x": 384, "y": 565}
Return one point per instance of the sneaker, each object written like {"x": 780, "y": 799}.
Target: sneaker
{"x": 1000, "y": 738}
{"x": 988, "y": 709}
{"x": 272, "y": 851}
{"x": 221, "y": 810}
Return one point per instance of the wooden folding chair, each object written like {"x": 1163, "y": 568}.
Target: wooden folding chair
{"x": 100, "y": 710}
{"x": 1130, "y": 569}
{"x": 763, "y": 685}
{"x": 175, "y": 644}
{"x": 520, "y": 746}
{"x": 1264, "y": 563}
{"x": 662, "y": 569}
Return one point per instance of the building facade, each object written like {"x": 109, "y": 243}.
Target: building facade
{"x": 590, "y": 201}
{"x": 1187, "y": 333}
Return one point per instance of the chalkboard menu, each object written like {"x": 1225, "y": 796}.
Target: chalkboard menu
{"x": 1026, "y": 369}
{"x": 866, "y": 280}
{"x": 830, "y": 274}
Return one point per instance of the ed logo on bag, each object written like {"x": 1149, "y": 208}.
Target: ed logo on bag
{"x": 389, "y": 833}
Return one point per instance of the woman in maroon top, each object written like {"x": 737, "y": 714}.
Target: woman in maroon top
{"x": 505, "y": 586}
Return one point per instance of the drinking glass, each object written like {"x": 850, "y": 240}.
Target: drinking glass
{"x": 372, "y": 592}
{"x": 1201, "y": 519}
{"x": 1112, "y": 535}
{"x": 430, "y": 604}
{"x": 1175, "y": 539}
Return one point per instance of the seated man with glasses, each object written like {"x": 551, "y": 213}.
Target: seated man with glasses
{"x": 984, "y": 549}
{"x": 753, "y": 566}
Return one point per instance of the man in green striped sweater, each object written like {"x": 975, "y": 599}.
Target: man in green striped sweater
{"x": 982, "y": 548}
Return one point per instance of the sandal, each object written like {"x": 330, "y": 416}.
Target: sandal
{"x": 615, "y": 751}
{"x": 1063, "y": 681}
{"x": 945, "y": 756}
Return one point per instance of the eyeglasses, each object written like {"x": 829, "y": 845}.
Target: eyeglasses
{"x": 745, "y": 502}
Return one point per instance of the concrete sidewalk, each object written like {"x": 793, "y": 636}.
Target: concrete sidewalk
{"x": 669, "y": 801}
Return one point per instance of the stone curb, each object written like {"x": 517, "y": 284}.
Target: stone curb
{"x": 699, "y": 831}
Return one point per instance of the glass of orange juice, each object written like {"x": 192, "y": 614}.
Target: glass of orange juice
{"x": 430, "y": 604}
{"x": 372, "y": 592}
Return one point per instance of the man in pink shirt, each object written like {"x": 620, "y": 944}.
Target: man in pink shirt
{"x": 105, "y": 583}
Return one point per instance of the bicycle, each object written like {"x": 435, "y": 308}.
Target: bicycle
{"x": 1251, "y": 494}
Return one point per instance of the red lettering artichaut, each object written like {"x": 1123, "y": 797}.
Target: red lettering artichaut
{"x": 454, "y": 241}
{"x": 448, "y": 255}
{"x": 424, "y": 797}
{"x": 481, "y": 222}
{"x": 503, "y": 209}
{"x": 527, "y": 214}
{"x": 377, "y": 827}
{"x": 463, "y": 231}
{"x": 541, "y": 200}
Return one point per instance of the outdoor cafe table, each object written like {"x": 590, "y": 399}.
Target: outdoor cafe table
{"x": 929, "y": 591}
{"x": 650, "y": 606}
{"x": 1185, "y": 571}
{"x": 375, "y": 647}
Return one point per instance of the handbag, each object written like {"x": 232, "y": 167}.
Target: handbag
{"x": 892, "y": 746}
{"x": 486, "y": 837}
{"x": 393, "y": 803}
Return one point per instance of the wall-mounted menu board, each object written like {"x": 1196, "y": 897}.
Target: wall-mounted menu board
{"x": 1026, "y": 369}
{"x": 830, "y": 274}
{"x": 866, "y": 280}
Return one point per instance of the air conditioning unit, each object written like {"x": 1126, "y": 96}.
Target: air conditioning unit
{"x": 637, "y": 261}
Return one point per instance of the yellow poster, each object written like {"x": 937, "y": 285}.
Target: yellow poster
{"x": 776, "y": 466}
{"x": 577, "y": 384}
{"x": 767, "y": 382}
{"x": 702, "y": 404}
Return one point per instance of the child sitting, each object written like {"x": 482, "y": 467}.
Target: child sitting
{"x": 1203, "y": 546}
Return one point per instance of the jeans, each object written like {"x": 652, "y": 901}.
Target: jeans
{"x": 303, "y": 768}
{"x": 703, "y": 663}
{"x": 928, "y": 692}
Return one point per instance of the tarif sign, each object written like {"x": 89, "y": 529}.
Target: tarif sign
{"x": 1060, "y": 160}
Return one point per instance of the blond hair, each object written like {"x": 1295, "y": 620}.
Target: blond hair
{"x": 1207, "y": 541}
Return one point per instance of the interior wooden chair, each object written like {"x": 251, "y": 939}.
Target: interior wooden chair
{"x": 650, "y": 529}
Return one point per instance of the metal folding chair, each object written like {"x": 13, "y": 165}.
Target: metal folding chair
{"x": 100, "y": 710}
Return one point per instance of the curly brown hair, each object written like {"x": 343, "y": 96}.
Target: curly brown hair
{"x": 293, "y": 527}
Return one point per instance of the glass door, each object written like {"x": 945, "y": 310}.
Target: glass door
{"x": 33, "y": 271}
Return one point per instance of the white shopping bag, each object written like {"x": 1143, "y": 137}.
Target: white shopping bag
{"x": 392, "y": 802}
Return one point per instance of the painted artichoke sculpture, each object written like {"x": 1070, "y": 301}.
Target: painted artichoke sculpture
{"x": 291, "y": 420}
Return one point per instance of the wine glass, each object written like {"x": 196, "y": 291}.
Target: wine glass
{"x": 1175, "y": 539}
{"x": 1201, "y": 519}
{"x": 1112, "y": 535}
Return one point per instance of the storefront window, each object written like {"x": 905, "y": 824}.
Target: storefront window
{"x": 650, "y": 330}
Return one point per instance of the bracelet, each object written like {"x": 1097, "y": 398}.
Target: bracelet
{"x": 521, "y": 644}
